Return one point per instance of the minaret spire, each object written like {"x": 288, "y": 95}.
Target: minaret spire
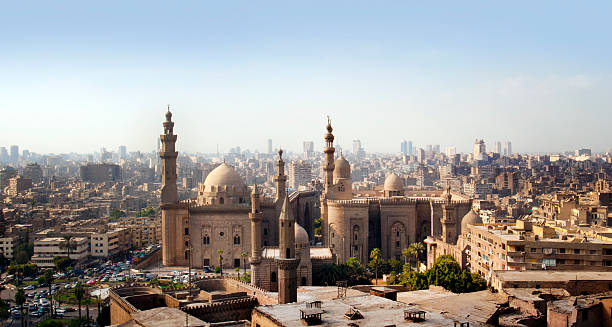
{"x": 281, "y": 178}
{"x": 286, "y": 261}
{"x": 168, "y": 154}
{"x": 256, "y": 216}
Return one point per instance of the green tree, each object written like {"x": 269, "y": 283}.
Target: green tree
{"x": 116, "y": 214}
{"x": 48, "y": 279}
{"x": 220, "y": 252}
{"x": 394, "y": 266}
{"x": 79, "y": 292}
{"x": 376, "y": 256}
{"x": 20, "y": 299}
{"x": 243, "y": 255}
{"x": 329, "y": 274}
{"x": 407, "y": 253}
{"x": 24, "y": 252}
{"x": 4, "y": 309}
{"x": 103, "y": 318}
{"x": 146, "y": 212}
{"x": 62, "y": 263}
{"x": 417, "y": 251}
{"x": 67, "y": 244}
{"x": 317, "y": 227}
{"x": 356, "y": 272}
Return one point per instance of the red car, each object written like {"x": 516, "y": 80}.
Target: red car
{"x": 69, "y": 309}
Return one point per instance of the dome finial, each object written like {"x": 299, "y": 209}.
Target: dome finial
{"x": 168, "y": 114}
{"x": 280, "y": 153}
{"x": 329, "y": 127}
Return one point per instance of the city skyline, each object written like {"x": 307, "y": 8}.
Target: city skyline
{"x": 95, "y": 76}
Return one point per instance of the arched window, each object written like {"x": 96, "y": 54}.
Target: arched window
{"x": 206, "y": 239}
{"x": 303, "y": 282}
{"x": 236, "y": 239}
{"x": 273, "y": 277}
{"x": 221, "y": 200}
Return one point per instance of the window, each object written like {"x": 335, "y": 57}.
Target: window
{"x": 303, "y": 281}
{"x": 206, "y": 239}
{"x": 186, "y": 231}
{"x": 533, "y": 250}
{"x": 236, "y": 240}
{"x": 221, "y": 234}
{"x": 236, "y": 263}
{"x": 397, "y": 244}
{"x": 576, "y": 251}
{"x": 273, "y": 277}
{"x": 562, "y": 250}
{"x": 287, "y": 253}
{"x": 592, "y": 251}
{"x": 221, "y": 200}
{"x": 186, "y": 243}
{"x": 265, "y": 231}
{"x": 206, "y": 262}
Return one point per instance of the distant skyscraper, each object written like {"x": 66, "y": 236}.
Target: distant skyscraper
{"x": 269, "y": 146}
{"x": 410, "y": 148}
{"x": 428, "y": 148}
{"x": 308, "y": 148}
{"x": 4, "y": 156}
{"x": 357, "y": 149}
{"x": 421, "y": 155}
{"x": 479, "y": 147}
{"x": 300, "y": 173}
{"x": 404, "y": 147}
{"x": 14, "y": 154}
{"x": 122, "y": 152}
{"x": 451, "y": 151}
{"x": 508, "y": 148}
{"x": 436, "y": 148}
{"x": 583, "y": 152}
{"x": 25, "y": 154}
{"x": 498, "y": 147}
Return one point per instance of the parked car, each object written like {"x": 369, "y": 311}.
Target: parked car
{"x": 29, "y": 287}
{"x": 69, "y": 309}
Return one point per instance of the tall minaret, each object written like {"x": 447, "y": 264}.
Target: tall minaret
{"x": 449, "y": 219}
{"x": 256, "y": 216}
{"x": 280, "y": 179}
{"x": 168, "y": 154}
{"x": 329, "y": 156}
{"x": 328, "y": 168}
{"x": 286, "y": 261}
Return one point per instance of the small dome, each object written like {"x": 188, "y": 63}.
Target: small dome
{"x": 342, "y": 168}
{"x": 224, "y": 175}
{"x": 393, "y": 183}
{"x": 471, "y": 218}
{"x": 301, "y": 236}
{"x": 168, "y": 115}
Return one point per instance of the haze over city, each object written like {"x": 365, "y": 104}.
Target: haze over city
{"x": 80, "y": 76}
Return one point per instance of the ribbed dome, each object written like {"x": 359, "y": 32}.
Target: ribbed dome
{"x": 224, "y": 175}
{"x": 471, "y": 218}
{"x": 342, "y": 168}
{"x": 301, "y": 236}
{"x": 393, "y": 183}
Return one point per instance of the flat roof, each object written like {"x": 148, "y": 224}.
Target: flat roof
{"x": 551, "y": 275}
{"x": 377, "y": 311}
{"x": 166, "y": 317}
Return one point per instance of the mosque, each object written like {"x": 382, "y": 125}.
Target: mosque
{"x": 227, "y": 220}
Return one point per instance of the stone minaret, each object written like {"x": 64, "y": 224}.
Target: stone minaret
{"x": 175, "y": 220}
{"x": 280, "y": 179}
{"x": 286, "y": 261}
{"x": 168, "y": 154}
{"x": 329, "y": 156}
{"x": 256, "y": 216}
{"x": 449, "y": 219}
{"x": 328, "y": 168}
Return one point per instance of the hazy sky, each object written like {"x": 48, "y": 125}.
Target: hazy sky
{"x": 76, "y": 76}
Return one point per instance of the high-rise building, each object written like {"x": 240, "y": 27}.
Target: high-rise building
{"x": 410, "y": 148}
{"x": 269, "y": 146}
{"x": 498, "y": 147}
{"x": 98, "y": 173}
{"x": 14, "y": 154}
{"x": 508, "y": 148}
{"x": 300, "y": 173}
{"x": 583, "y": 152}
{"x": 404, "y": 147}
{"x": 122, "y": 152}
{"x": 357, "y": 149}
{"x": 436, "y": 148}
{"x": 451, "y": 151}
{"x": 4, "y": 155}
{"x": 479, "y": 147}
{"x": 308, "y": 148}
{"x": 420, "y": 155}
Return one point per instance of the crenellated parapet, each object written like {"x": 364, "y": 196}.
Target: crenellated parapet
{"x": 227, "y": 305}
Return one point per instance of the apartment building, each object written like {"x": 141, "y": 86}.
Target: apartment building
{"x": 7, "y": 247}
{"x": 523, "y": 246}
{"x": 109, "y": 243}
{"x": 46, "y": 249}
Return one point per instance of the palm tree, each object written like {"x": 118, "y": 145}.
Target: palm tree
{"x": 329, "y": 274}
{"x": 79, "y": 291}
{"x": 68, "y": 244}
{"x": 407, "y": 253}
{"x": 376, "y": 255}
{"x": 20, "y": 299}
{"x": 417, "y": 250}
{"x": 243, "y": 255}
{"x": 220, "y": 251}
{"x": 47, "y": 278}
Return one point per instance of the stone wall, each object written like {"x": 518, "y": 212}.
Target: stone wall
{"x": 238, "y": 309}
{"x": 154, "y": 256}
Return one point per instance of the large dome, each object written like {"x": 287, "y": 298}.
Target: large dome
{"x": 342, "y": 168}
{"x": 225, "y": 176}
{"x": 471, "y": 218}
{"x": 393, "y": 183}
{"x": 301, "y": 236}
